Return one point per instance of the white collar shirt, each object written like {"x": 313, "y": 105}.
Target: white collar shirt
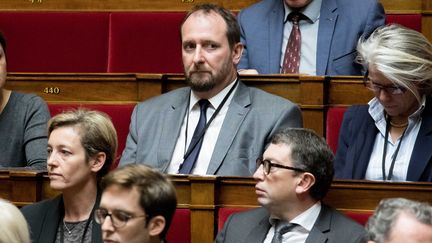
{"x": 298, "y": 234}
{"x": 190, "y": 121}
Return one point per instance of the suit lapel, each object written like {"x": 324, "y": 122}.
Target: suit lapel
{"x": 328, "y": 18}
{"x": 238, "y": 108}
{"x": 275, "y": 28}
{"x": 422, "y": 152}
{"x": 174, "y": 112}
{"x": 259, "y": 232}
{"x": 363, "y": 148}
{"x": 50, "y": 222}
{"x": 321, "y": 226}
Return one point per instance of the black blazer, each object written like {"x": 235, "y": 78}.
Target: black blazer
{"x": 252, "y": 226}
{"x": 44, "y": 218}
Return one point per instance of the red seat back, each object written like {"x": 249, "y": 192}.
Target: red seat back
{"x": 180, "y": 229}
{"x": 413, "y": 21}
{"x": 333, "y": 124}
{"x": 56, "y": 41}
{"x": 145, "y": 42}
{"x": 360, "y": 218}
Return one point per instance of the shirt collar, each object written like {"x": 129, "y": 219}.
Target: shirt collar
{"x": 306, "y": 219}
{"x": 312, "y": 10}
{"x": 376, "y": 110}
{"x": 216, "y": 100}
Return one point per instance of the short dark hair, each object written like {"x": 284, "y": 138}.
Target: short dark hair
{"x": 157, "y": 193}
{"x": 310, "y": 153}
{"x": 233, "y": 28}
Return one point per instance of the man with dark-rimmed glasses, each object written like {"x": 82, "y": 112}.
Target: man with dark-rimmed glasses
{"x": 137, "y": 205}
{"x": 292, "y": 178}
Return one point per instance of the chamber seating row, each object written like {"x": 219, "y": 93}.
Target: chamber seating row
{"x": 125, "y": 42}
{"x": 322, "y": 99}
{"x": 204, "y": 203}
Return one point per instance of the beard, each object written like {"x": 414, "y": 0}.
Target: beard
{"x": 200, "y": 80}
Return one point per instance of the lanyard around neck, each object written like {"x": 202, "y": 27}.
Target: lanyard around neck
{"x": 390, "y": 175}
{"x": 201, "y": 135}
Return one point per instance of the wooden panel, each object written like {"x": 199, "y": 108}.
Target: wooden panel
{"x": 162, "y": 5}
{"x": 204, "y": 195}
{"x": 402, "y": 6}
{"x": 86, "y": 87}
{"x": 347, "y": 90}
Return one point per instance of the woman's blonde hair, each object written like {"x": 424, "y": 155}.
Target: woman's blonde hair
{"x": 402, "y": 55}
{"x": 13, "y": 226}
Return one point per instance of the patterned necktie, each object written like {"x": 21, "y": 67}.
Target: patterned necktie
{"x": 189, "y": 162}
{"x": 291, "y": 60}
{"x": 281, "y": 228}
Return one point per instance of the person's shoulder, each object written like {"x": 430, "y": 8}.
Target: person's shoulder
{"x": 28, "y": 99}
{"x": 260, "y": 7}
{"x": 174, "y": 95}
{"x": 39, "y": 208}
{"x": 343, "y": 223}
{"x": 250, "y": 215}
{"x": 263, "y": 98}
{"x": 357, "y": 110}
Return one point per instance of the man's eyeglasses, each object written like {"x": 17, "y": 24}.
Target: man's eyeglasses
{"x": 267, "y": 165}
{"x": 118, "y": 218}
{"x": 376, "y": 88}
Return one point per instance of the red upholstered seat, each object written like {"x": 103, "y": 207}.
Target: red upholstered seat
{"x": 145, "y": 42}
{"x": 360, "y": 218}
{"x": 412, "y": 21}
{"x": 180, "y": 229}
{"x": 333, "y": 124}
{"x": 56, "y": 41}
{"x": 120, "y": 115}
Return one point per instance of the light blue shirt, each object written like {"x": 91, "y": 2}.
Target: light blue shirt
{"x": 309, "y": 36}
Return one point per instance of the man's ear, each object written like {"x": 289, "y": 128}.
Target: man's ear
{"x": 237, "y": 52}
{"x": 156, "y": 225}
{"x": 97, "y": 162}
{"x": 306, "y": 181}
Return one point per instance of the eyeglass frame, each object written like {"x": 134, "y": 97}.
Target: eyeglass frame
{"x": 260, "y": 161}
{"x": 110, "y": 214}
{"x": 376, "y": 88}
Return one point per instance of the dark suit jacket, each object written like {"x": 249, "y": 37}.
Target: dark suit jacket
{"x": 341, "y": 24}
{"x": 44, "y": 218}
{"x": 357, "y": 137}
{"x": 252, "y": 118}
{"x": 252, "y": 227}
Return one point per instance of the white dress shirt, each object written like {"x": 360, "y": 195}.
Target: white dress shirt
{"x": 210, "y": 137}
{"x": 299, "y": 234}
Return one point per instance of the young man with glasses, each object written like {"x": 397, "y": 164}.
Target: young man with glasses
{"x": 292, "y": 178}
{"x": 137, "y": 205}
